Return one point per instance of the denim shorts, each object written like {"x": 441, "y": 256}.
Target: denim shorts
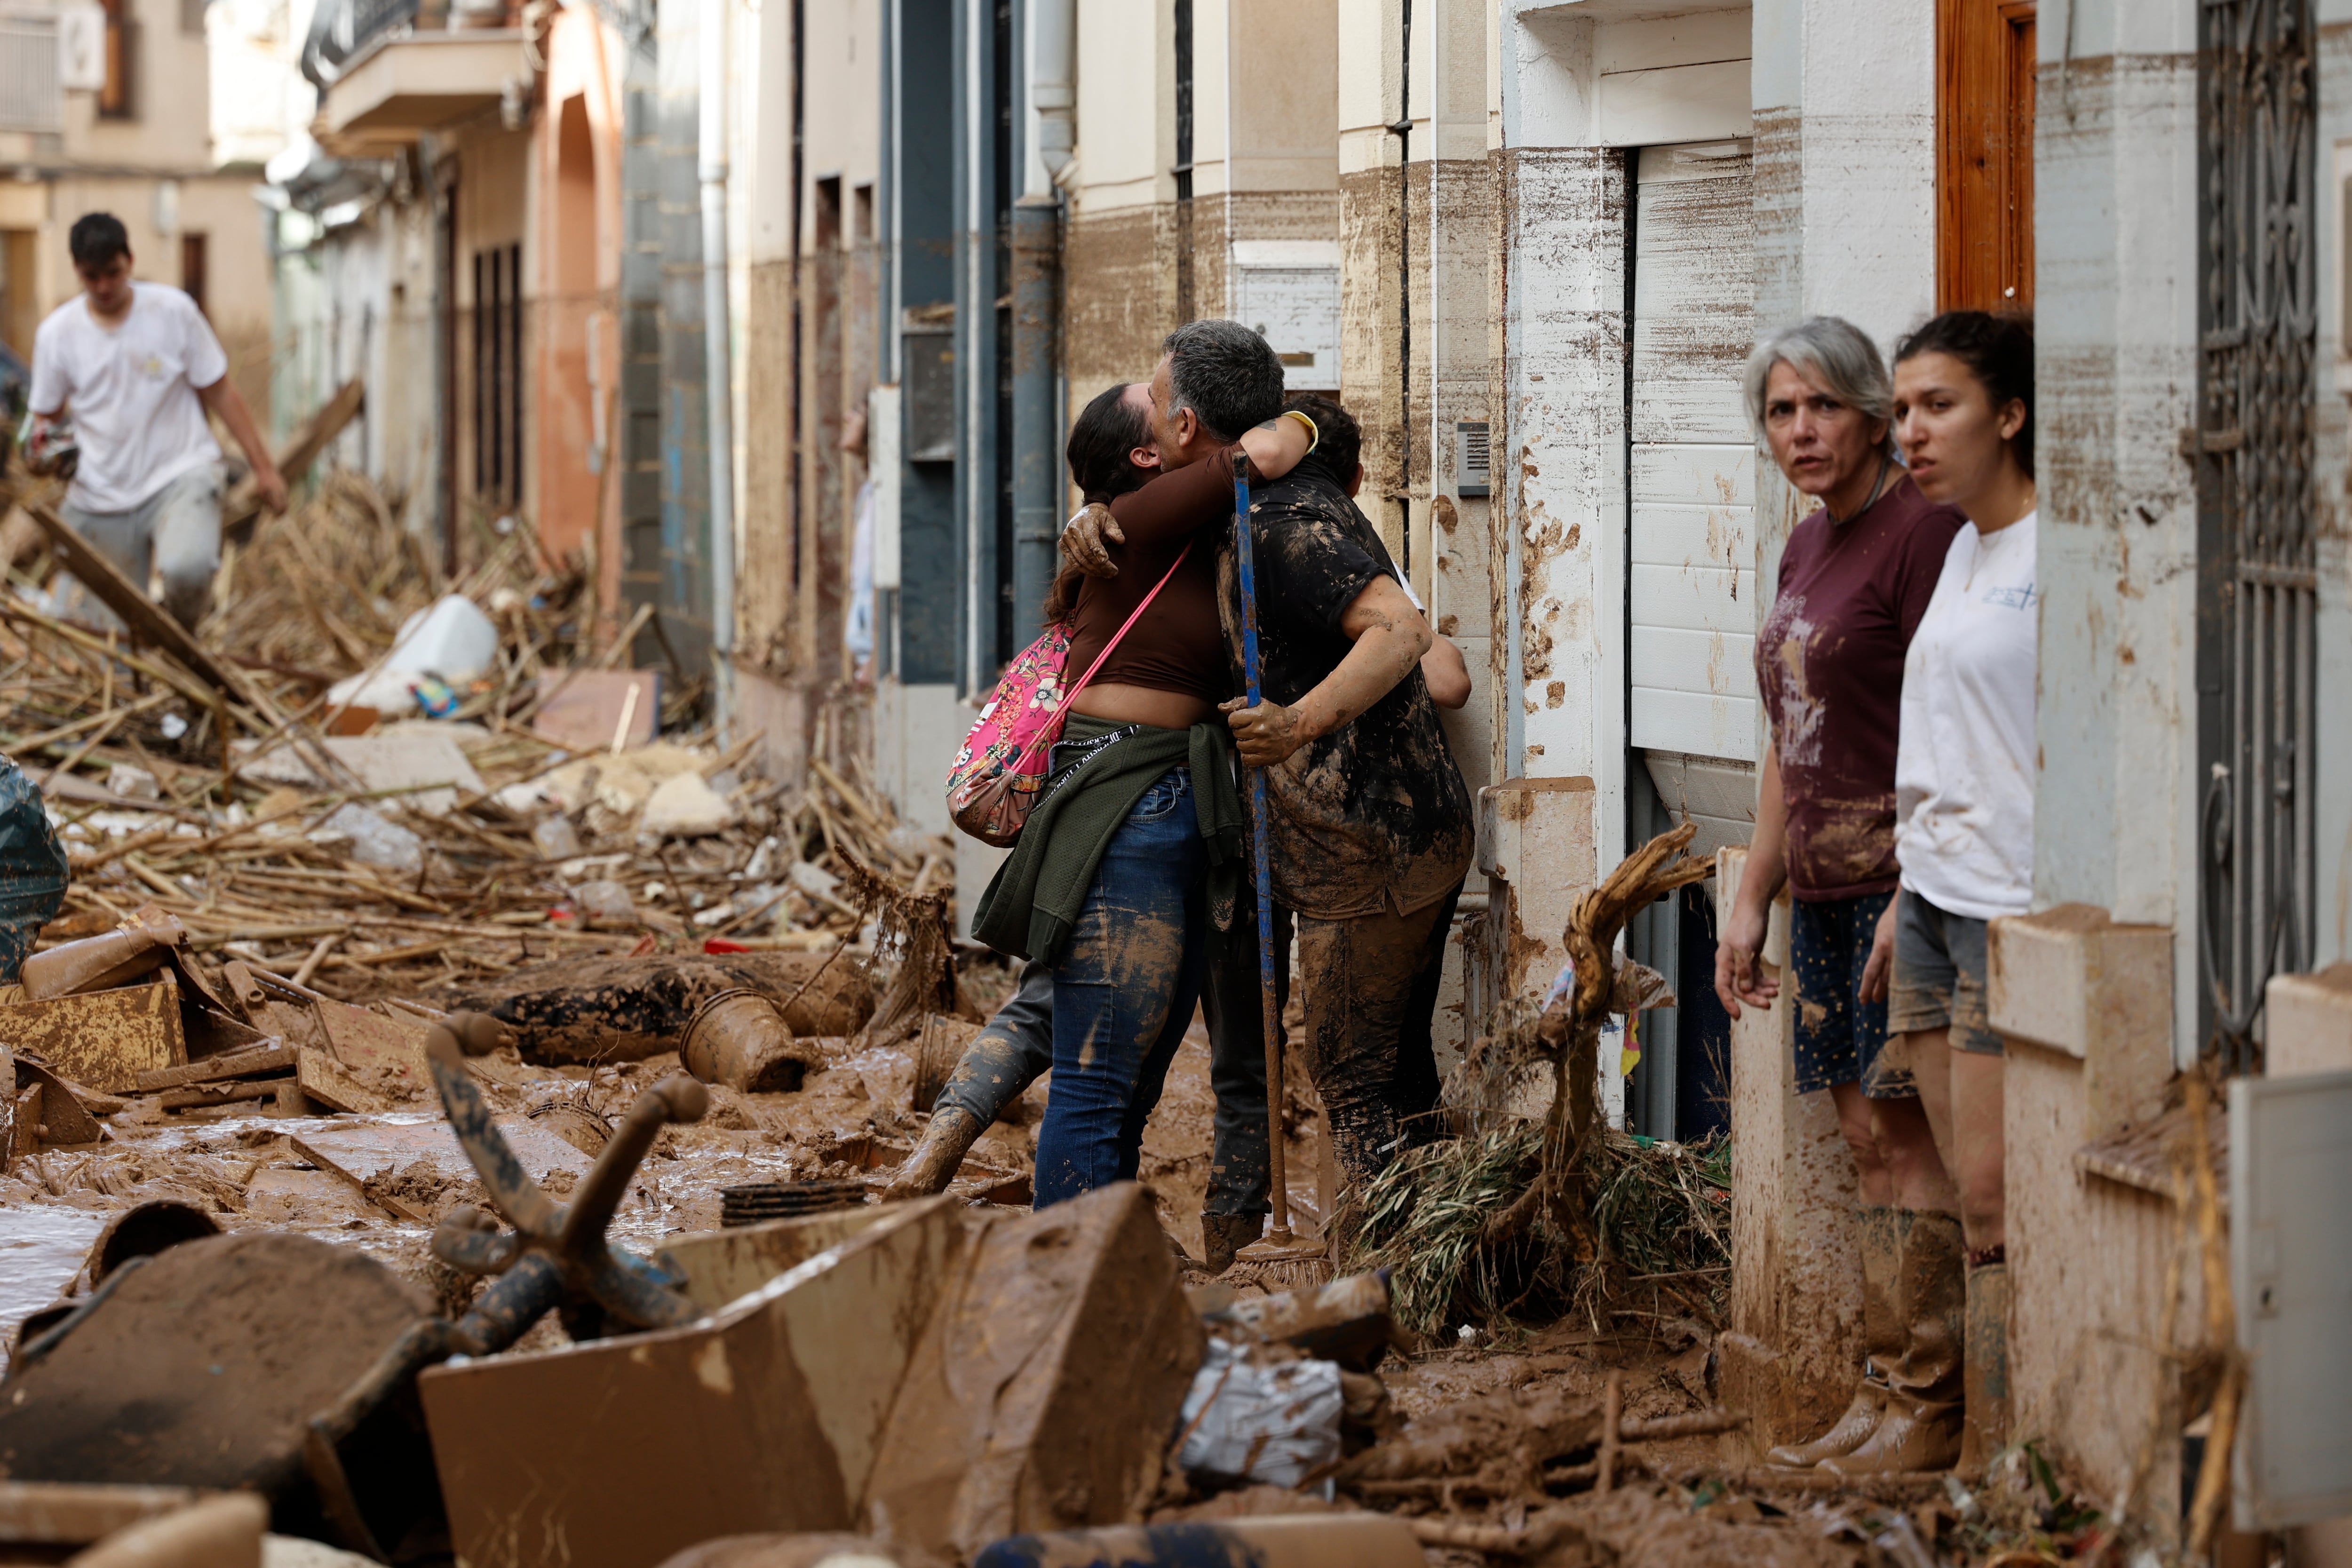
{"x": 1940, "y": 976}
{"x": 1840, "y": 1038}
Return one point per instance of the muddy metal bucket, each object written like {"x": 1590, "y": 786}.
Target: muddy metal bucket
{"x": 739, "y": 1039}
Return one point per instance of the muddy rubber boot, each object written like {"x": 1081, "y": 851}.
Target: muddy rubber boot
{"x": 1222, "y": 1235}
{"x": 934, "y": 1162}
{"x": 1882, "y": 1344}
{"x": 1921, "y": 1427}
{"x": 1986, "y": 1376}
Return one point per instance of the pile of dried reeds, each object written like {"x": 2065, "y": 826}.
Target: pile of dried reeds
{"x": 243, "y": 843}
{"x": 1661, "y": 1218}
{"x": 1519, "y": 1216}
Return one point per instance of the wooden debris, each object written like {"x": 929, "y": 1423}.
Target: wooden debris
{"x": 334, "y": 1086}
{"x": 257, "y": 1061}
{"x": 105, "y": 1039}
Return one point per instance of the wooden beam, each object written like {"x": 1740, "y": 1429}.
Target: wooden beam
{"x": 243, "y": 504}
{"x": 148, "y": 621}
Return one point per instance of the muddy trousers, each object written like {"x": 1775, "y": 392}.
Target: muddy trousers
{"x": 175, "y": 532}
{"x": 1370, "y": 991}
{"x": 1016, "y": 1048}
{"x": 1123, "y": 993}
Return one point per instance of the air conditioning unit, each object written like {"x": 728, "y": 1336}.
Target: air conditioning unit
{"x": 81, "y": 48}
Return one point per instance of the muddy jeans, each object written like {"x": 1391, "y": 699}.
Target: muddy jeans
{"x": 1124, "y": 994}
{"x": 1016, "y": 1049}
{"x": 1370, "y": 992}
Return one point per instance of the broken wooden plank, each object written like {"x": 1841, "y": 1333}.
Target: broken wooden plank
{"x": 148, "y": 621}
{"x": 252, "y": 1062}
{"x": 334, "y": 1086}
{"x": 105, "y": 1039}
{"x": 61, "y": 1119}
{"x": 203, "y": 1094}
{"x": 243, "y": 504}
{"x": 398, "y": 1208}
{"x": 371, "y": 1149}
{"x": 359, "y": 1038}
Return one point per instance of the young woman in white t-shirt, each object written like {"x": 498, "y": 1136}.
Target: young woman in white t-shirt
{"x": 1964, "y": 779}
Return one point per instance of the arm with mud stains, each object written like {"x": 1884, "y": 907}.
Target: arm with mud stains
{"x": 1389, "y": 637}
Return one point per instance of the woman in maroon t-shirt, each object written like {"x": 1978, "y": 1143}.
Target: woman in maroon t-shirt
{"x": 1854, "y": 582}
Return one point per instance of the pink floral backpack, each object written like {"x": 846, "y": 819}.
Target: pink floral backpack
{"x": 1005, "y": 759}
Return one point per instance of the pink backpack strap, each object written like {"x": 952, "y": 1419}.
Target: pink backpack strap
{"x": 1045, "y": 735}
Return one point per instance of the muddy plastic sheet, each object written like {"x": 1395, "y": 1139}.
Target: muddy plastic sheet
{"x": 1247, "y": 1419}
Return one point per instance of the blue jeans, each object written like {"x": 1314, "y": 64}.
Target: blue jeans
{"x": 1124, "y": 994}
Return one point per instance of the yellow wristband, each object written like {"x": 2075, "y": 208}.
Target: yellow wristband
{"x": 1314, "y": 435}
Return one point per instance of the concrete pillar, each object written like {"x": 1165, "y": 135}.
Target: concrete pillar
{"x": 2115, "y": 280}
{"x": 2085, "y": 1004}
{"x": 1538, "y": 840}
{"x": 1792, "y": 1353}
{"x": 2331, "y": 941}
{"x": 2310, "y": 1023}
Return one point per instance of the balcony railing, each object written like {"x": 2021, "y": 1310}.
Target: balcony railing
{"x": 343, "y": 29}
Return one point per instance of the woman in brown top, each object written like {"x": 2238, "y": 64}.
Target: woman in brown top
{"x": 1854, "y": 582}
{"x": 1114, "y": 895}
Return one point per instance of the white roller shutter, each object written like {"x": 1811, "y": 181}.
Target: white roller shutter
{"x": 1693, "y": 556}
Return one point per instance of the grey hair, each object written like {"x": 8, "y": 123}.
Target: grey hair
{"x": 1225, "y": 373}
{"x": 1833, "y": 354}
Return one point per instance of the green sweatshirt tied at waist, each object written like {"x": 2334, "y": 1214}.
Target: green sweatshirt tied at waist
{"x": 1036, "y": 895}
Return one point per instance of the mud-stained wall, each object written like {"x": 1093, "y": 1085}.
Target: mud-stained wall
{"x": 2088, "y": 1272}
{"x": 1796, "y": 1270}
{"x": 1368, "y": 337}
{"x": 765, "y": 601}
{"x": 2117, "y": 271}
{"x": 1559, "y": 471}
{"x": 1452, "y": 563}
{"x": 1118, "y": 295}
{"x": 1133, "y": 274}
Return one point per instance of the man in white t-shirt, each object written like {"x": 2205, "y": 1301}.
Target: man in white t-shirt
{"x": 135, "y": 366}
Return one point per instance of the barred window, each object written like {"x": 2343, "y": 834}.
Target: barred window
{"x": 28, "y": 73}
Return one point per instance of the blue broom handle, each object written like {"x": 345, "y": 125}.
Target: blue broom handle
{"x": 1278, "y": 1189}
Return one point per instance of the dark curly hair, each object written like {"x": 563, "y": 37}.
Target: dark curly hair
{"x": 1998, "y": 350}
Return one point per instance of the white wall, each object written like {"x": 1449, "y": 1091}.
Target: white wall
{"x": 2116, "y": 301}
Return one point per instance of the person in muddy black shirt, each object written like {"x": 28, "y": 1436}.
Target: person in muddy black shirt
{"x": 1370, "y": 819}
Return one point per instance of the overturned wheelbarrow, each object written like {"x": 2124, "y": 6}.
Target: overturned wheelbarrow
{"x": 285, "y": 1365}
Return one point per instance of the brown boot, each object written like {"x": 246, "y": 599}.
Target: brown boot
{"x": 1882, "y": 1344}
{"x": 1222, "y": 1235}
{"x": 1921, "y": 1427}
{"x": 938, "y": 1157}
{"x": 1986, "y": 1376}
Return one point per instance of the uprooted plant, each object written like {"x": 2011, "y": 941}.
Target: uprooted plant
{"x": 1515, "y": 1214}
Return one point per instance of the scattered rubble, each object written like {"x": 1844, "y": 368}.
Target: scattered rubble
{"x": 465, "y": 1132}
